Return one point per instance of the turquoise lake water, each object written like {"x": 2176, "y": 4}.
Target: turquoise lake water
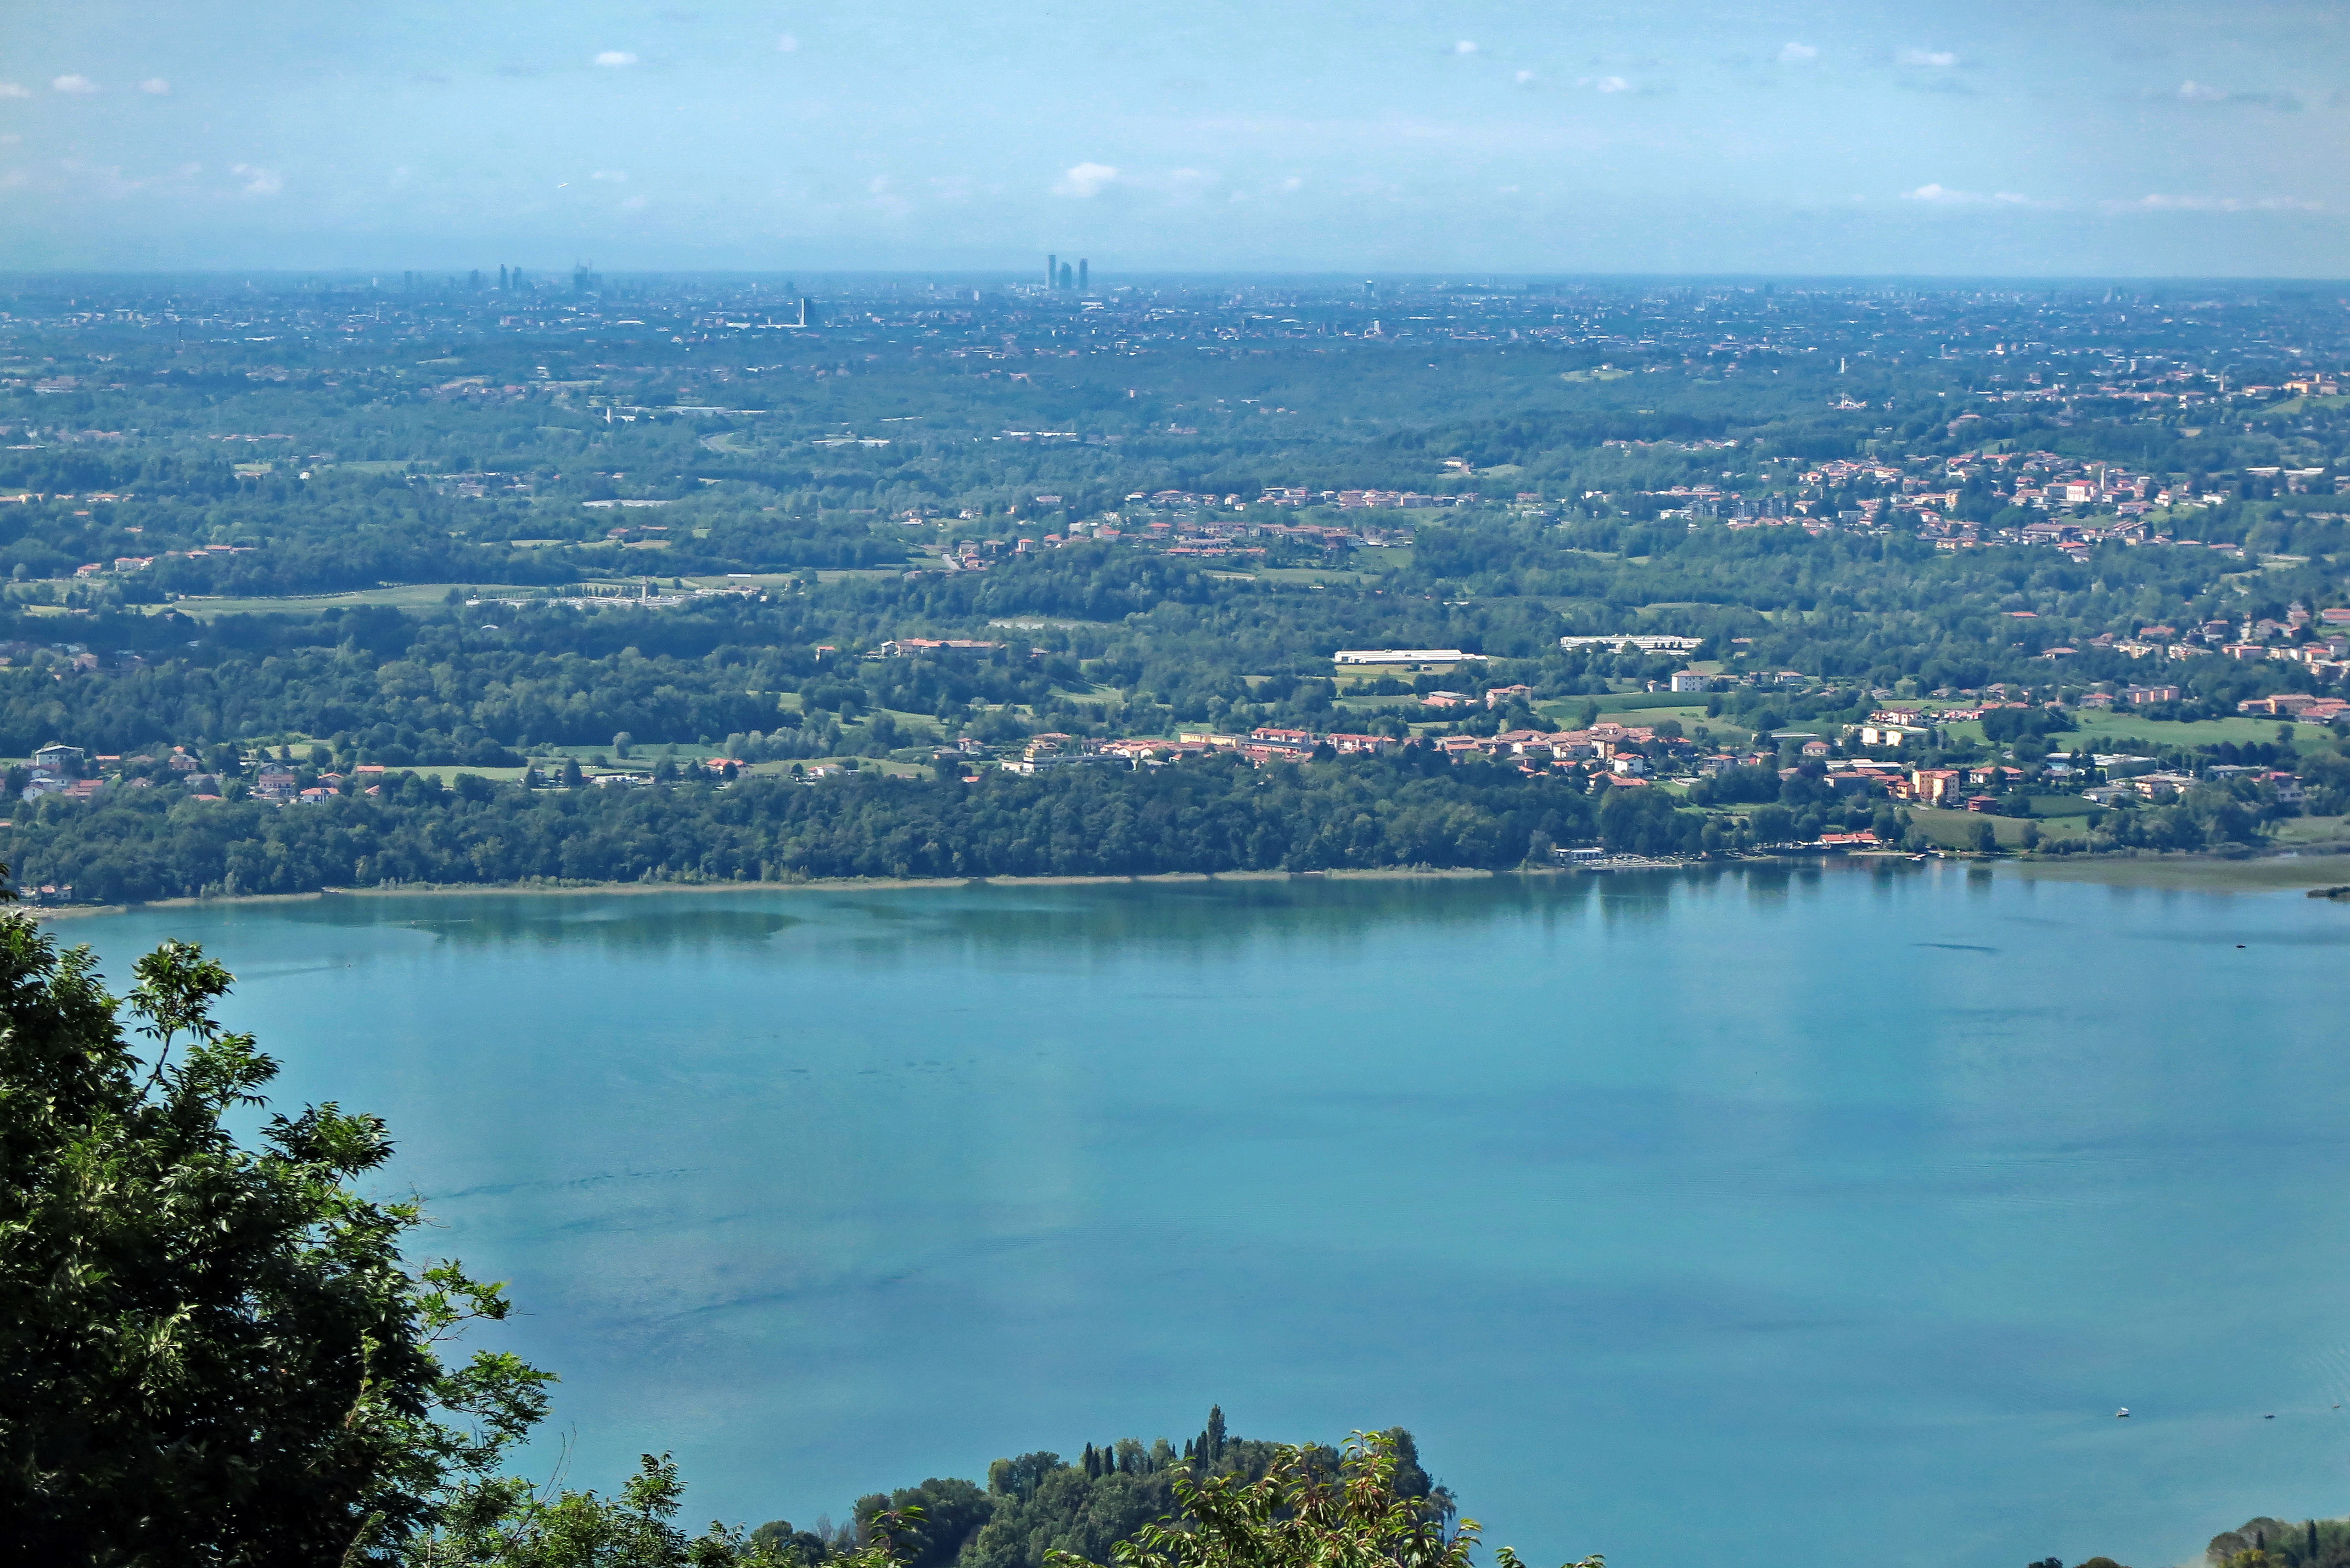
{"x": 1820, "y": 1216}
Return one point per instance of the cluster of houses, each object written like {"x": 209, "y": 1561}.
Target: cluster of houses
{"x": 1259, "y": 746}
{"x": 281, "y": 785}
{"x": 1622, "y": 750}
{"x": 935, "y": 648}
{"x": 126, "y": 564}
{"x": 1300, "y": 495}
{"x": 2088, "y": 503}
{"x": 1201, "y": 534}
{"x": 77, "y": 775}
{"x": 61, "y": 657}
{"x": 2298, "y": 706}
{"x": 2320, "y": 640}
{"x": 2082, "y": 504}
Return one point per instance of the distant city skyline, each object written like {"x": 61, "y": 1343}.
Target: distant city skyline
{"x": 1984, "y": 138}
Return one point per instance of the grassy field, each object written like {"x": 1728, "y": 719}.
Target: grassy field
{"x": 405, "y": 596}
{"x": 1315, "y": 576}
{"x": 2311, "y": 832}
{"x": 2302, "y": 405}
{"x": 2199, "y": 733}
{"x": 431, "y": 596}
{"x": 2098, "y": 731}
{"x": 741, "y": 580}
{"x": 1956, "y": 829}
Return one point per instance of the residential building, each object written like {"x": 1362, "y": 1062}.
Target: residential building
{"x": 1934, "y": 786}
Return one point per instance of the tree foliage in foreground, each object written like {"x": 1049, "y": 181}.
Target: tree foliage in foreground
{"x": 210, "y": 1353}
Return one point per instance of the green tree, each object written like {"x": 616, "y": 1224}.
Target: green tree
{"x": 508, "y": 1523}
{"x": 211, "y": 1354}
{"x": 1298, "y": 1514}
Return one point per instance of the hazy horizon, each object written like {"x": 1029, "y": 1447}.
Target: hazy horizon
{"x": 814, "y": 280}
{"x": 1991, "y": 139}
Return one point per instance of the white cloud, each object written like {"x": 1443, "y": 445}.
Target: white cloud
{"x": 1085, "y": 180}
{"x": 1927, "y": 57}
{"x": 616, "y": 175}
{"x": 616, "y": 57}
{"x": 79, "y": 86}
{"x": 1523, "y": 78}
{"x": 1796, "y": 54}
{"x": 1943, "y": 196}
{"x": 2199, "y": 92}
{"x": 13, "y": 90}
{"x": 1465, "y": 47}
{"x": 2159, "y": 202}
{"x": 156, "y": 86}
{"x": 1604, "y": 84}
{"x": 258, "y": 182}
{"x": 787, "y": 45}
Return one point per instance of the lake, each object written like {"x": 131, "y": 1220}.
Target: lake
{"x": 1772, "y": 1215}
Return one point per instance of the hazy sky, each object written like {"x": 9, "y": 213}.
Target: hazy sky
{"x": 2056, "y": 135}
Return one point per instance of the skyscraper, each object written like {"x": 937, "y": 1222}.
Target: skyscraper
{"x": 1067, "y": 281}
{"x": 1084, "y": 266}
{"x": 1052, "y": 272}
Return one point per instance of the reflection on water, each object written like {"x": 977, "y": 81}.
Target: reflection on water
{"x": 1817, "y": 1212}
{"x": 621, "y": 921}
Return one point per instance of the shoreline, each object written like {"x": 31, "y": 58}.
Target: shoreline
{"x": 814, "y": 885}
{"x": 2283, "y": 871}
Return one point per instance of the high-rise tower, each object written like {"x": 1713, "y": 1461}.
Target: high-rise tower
{"x": 1084, "y": 267}
{"x": 1052, "y": 271}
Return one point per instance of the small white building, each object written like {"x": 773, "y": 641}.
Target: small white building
{"x": 1690, "y": 680}
{"x": 1402, "y": 655}
{"x": 1646, "y": 642}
